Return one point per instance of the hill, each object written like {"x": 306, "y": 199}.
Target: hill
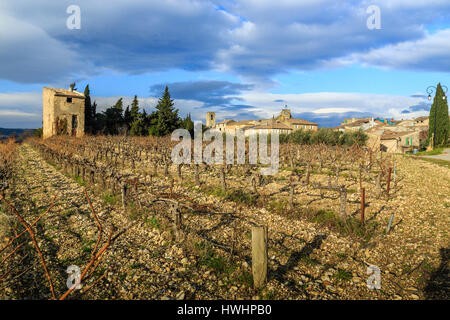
{"x": 6, "y": 132}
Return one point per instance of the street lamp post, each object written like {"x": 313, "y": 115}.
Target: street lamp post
{"x": 430, "y": 90}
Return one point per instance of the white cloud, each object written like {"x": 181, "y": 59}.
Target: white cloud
{"x": 428, "y": 54}
{"x": 335, "y": 110}
{"x": 21, "y": 109}
{"x": 14, "y": 113}
{"x": 331, "y": 102}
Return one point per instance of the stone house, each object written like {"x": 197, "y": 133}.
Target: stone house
{"x": 422, "y": 121}
{"x": 63, "y": 112}
{"x": 222, "y": 125}
{"x": 358, "y": 124}
{"x": 348, "y": 121}
{"x": 235, "y": 125}
{"x": 399, "y": 142}
{"x": 277, "y": 127}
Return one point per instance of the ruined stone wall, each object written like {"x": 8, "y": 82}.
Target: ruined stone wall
{"x": 48, "y": 111}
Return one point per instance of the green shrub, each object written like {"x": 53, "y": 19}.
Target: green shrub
{"x": 326, "y": 136}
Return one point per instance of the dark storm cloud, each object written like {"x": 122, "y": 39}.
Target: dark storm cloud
{"x": 423, "y": 106}
{"x": 256, "y": 39}
{"x": 210, "y": 92}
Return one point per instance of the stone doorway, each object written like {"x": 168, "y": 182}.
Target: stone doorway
{"x": 74, "y": 125}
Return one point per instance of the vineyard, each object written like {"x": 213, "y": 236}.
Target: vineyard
{"x": 140, "y": 227}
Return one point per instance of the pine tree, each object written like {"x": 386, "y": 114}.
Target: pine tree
{"x": 113, "y": 118}
{"x": 137, "y": 120}
{"x": 439, "y": 118}
{"x": 138, "y": 126}
{"x": 135, "y": 109}
{"x": 151, "y": 123}
{"x": 168, "y": 119}
{"x": 188, "y": 124}
{"x": 128, "y": 120}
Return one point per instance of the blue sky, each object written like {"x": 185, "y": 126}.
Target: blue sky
{"x": 240, "y": 58}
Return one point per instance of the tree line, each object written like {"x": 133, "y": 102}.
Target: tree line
{"x": 133, "y": 120}
{"x": 325, "y": 136}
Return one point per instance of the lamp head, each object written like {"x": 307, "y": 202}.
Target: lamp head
{"x": 429, "y": 97}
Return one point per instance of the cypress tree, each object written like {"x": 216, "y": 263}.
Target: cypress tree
{"x": 89, "y": 114}
{"x": 439, "y": 118}
{"x": 95, "y": 123}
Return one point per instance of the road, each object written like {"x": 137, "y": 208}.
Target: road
{"x": 445, "y": 155}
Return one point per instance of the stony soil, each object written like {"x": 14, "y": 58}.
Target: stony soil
{"x": 307, "y": 260}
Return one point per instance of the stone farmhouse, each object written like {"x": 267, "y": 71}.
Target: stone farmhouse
{"x": 63, "y": 112}
{"x": 282, "y": 124}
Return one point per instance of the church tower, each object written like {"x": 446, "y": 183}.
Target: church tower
{"x": 210, "y": 119}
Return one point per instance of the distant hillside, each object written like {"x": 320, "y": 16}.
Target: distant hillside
{"x": 4, "y": 133}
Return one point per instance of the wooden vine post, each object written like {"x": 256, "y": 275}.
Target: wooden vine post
{"x": 259, "y": 255}
{"x": 388, "y": 182}
{"x": 363, "y": 204}
{"x": 343, "y": 197}
{"x": 124, "y": 195}
{"x": 177, "y": 221}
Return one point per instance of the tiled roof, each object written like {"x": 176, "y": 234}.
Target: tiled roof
{"x": 357, "y": 123}
{"x": 240, "y": 123}
{"x": 277, "y": 125}
{"x": 301, "y": 121}
{"x": 388, "y": 135}
{"x": 67, "y": 93}
{"x": 226, "y": 121}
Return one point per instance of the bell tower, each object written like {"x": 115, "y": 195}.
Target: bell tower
{"x": 210, "y": 119}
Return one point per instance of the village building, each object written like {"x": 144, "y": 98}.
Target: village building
{"x": 277, "y": 127}
{"x": 63, "y": 112}
{"x": 222, "y": 125}
{"x": 348, "y": 121}
{"x": 357, "y": 124}
{"x": 389, "y": 135}
{"x": 399, "y": 142}
{"x": 282, "y": 124}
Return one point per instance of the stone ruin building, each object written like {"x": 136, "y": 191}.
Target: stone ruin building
{"x": 63, "y": 112}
